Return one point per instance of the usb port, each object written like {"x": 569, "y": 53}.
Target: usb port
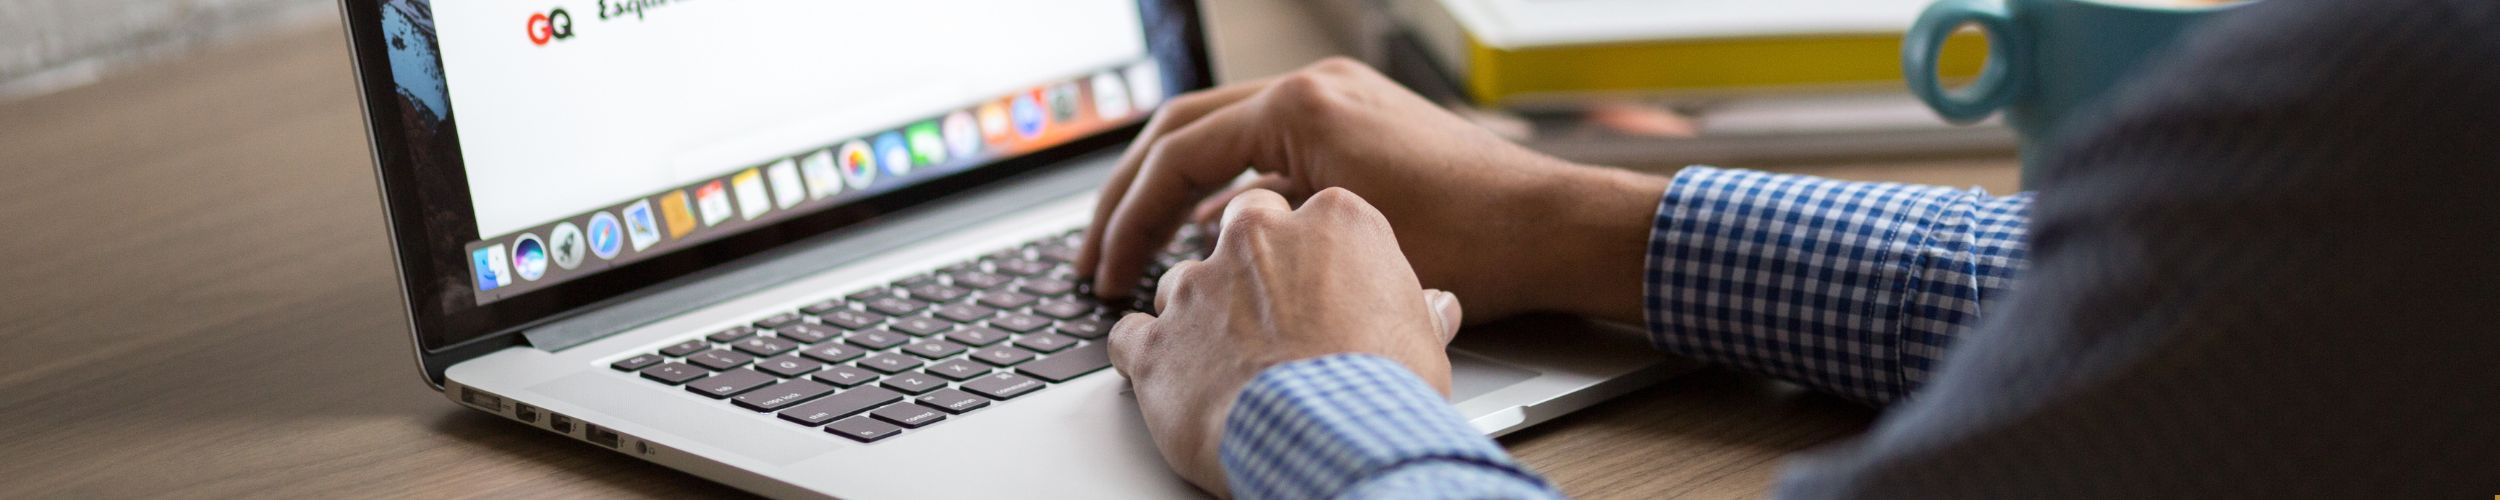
{"x": 560, "y": 423}
{"x": 601, "y": 436}
{"x": 525, "y": 413}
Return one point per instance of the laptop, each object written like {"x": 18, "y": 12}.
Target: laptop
{"x": 806, "y": 248}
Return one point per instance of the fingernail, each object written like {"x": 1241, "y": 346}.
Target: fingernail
{"x": 1438, "y": 299}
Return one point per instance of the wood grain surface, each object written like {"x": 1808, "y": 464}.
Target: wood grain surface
{"x": 199, "y": 303}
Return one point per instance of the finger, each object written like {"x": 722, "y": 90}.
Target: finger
{"x": 1128, "y": 339}
{"x": 1170, "y": 284}
{"x": 1184, "y": 166}
{"x": 1212, "y": 207}
{"x": 1180, "y": 112}
{"x": 1446, "y": 314}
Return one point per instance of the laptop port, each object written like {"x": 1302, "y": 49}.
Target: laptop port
{"x": 481, "y": 399}
{"x": 560, "y": 423}
{"x": 601, "y": 436}
{"x": 525, "y": 413}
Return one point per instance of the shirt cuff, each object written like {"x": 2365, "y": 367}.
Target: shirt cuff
{"x": 1852, "y": 288}
{"x": 1347, "y": 424}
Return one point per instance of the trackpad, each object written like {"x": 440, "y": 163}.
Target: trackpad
{"x": 1472, "y": 375}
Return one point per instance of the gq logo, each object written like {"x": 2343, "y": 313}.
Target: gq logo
{"x": 551, "y": 26}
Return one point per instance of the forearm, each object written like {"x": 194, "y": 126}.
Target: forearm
{"x": 1852, "y": 288}
{"x": 1588, "y": 241}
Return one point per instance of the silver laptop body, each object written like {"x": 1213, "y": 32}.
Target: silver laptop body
{"x": 571, "y": 367}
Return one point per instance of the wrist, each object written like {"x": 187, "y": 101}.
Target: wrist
{"x": 1592, "y": 251}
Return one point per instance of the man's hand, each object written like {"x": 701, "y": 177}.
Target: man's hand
{"x": 1282, "y": 285}
{"x": 1510, "y": 229}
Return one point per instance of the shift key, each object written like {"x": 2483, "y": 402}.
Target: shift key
{"x": 844, "y": 404}
{"x": 1069, "y": 364}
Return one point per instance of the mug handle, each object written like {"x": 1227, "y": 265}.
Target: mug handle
{"x": 1998, "y": 78}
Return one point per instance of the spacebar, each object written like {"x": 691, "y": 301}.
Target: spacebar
{"x": 1069, "y": 364}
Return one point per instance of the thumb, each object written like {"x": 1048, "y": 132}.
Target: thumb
{"x": 1446, "y": 314}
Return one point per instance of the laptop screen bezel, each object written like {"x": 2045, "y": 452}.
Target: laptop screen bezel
{"x": 1175, "y": 39}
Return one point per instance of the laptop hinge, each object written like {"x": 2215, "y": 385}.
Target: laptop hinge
{"x": 815, "y": 255}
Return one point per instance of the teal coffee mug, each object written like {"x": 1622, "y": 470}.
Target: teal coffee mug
{"x": 2048, "y": 60}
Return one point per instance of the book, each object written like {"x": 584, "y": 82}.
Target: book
{"x": 1511, "y": 52}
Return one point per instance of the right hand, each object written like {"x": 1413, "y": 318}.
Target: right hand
{"x": 1507, "y": 228}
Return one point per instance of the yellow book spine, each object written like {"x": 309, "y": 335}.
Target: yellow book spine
{"x": 1496, "y": 76}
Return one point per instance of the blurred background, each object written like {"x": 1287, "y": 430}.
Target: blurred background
{"x": 51, "y": 44}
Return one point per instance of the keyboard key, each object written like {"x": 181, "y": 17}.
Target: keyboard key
{"x": 687, "y": 348}
{"x": 675, "y": 373}
{"x": 914, "y": 383}
{"x": 958, "y": 370}
{"x": 876, "y": 340}
{"x": 921, "y": 326}
{"x": 845, "y": 376}
{"x": 934, "y": 349}
{"x": 889, "y": 363}
{"x": 863, "y": 429}
{"x": 953, "y": 401}
{"x": 1067, "y": 365}
{"x": 1002, "y": 386}
{"x": 730, "y": 383}
{"x": 764, "y": 347}
{"x": 1020, "y": 323}
{"x": 933, "y": 292}
{"x": 912, "y": 416}
{"x": 1007, "y": 300}
{"x": 1047, "y": 287}
{"x": 1002, "y": 356}
{"x": 896, "y": 306}
{"x": 826, "y": 307}
{"x": 963, "y": 313}
{"x": 732, "y": 334}
{"x": 870, "y": 294}
{"x": 842, "y": 404}
{"x": 1045, "y": 342}
{"x": 850, "y": 319}
{"x": 833, "y": 353}
{"x": 1055, "y": 251}
{"x": 808, "y": 332}
{"x": 1064, "y": 309}
{"x": 782, "y": 395}
{"x": 981, "y": 280}
{"x": 1021, "y": 266}
{"x": 915, "y": 280}
{"x": 779, "y": 320}
{"x": 789, "y": 366}
{"x": 639, "y": 361}
{"x": 721, "y": 359}
{"x": 1086, "y": 328}
{"x": 976, "y": 335}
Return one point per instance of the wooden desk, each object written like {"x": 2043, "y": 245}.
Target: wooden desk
{"x": 200, "y": 303}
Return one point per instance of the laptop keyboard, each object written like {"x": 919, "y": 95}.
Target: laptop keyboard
{"x": 906, "y": 355}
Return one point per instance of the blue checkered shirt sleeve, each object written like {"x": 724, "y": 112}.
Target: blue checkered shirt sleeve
{"x": 1852, "y": 288}
{"x": 1360, "y": 426}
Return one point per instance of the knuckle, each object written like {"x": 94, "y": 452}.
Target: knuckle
{"x": 1339, "y": 65}
{"x": 1303, "y": 94}
{"x": 1132, "y": 332}
{"x": 1334, "y": 199}
{"x": 1250, "y": 222}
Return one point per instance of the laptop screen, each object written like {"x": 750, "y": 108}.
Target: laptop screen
{"x": 551, "y": 143}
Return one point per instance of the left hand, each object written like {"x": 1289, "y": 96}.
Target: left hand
{"x": 1282, "y": 285}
